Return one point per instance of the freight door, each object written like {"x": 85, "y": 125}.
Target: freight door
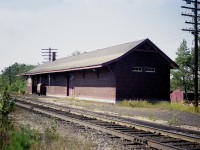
{"x": 34, "y": 84}
{"x": 70, "y": 85}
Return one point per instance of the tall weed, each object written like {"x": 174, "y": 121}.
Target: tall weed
{"x": 158, "y": 105}
{"x": 6, "y": 107}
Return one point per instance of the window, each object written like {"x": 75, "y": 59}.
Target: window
{"x": 150, "y": 70}
{"x": 137, "y": 69}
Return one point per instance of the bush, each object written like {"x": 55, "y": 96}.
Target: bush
{"x": 22, "y": 139}
{"x": 18, "y": 87}
{"x": 6, "y": 107}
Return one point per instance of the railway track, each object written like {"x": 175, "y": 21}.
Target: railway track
{"x": 139, "y": 136}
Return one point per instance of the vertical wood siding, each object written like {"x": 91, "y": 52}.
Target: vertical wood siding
{"x": 115, "y": 82}
{"x": 143, "y": 85}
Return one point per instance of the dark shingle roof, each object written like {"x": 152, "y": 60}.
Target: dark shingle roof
{"x": 92, "y": 59}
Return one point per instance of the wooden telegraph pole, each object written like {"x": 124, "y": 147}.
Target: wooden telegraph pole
{"x": 48, "y": 53}
{"x": 195, "y": 31}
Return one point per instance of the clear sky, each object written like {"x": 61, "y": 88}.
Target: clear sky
{"x": 27, "y": 26}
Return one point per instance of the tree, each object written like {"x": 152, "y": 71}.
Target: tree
{"x": 9, "y": 77}
{"x": 183, "y": 78}
{"x": 75, "y": 53}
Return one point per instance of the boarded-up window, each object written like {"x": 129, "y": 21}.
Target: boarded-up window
{"x": 150, "y": 70}
{"x": 137, "y": 69}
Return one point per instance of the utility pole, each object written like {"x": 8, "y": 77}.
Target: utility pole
{"x": 48, "y": 53}
{"x": 9, "y": 74}
{"x": 195, "y": 31}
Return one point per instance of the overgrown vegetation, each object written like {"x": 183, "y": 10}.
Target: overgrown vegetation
{"x": 23, "y": 137}
{"x": 182, "y": 78}
{"x": 9, "y": 78}
{"x": 6, "y": 107}
{"x": 159, "y": 105}
{"x": 174, "y": 120}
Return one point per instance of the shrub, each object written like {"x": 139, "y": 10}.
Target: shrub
{"x": 6, "y": 107}
{"x": 21, "y": 139}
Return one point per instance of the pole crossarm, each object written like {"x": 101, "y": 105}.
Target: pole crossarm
{"x": 189, "y": 22}
{"x": 48, "y": 49}
{"x": 189, "y": 8}
{"x": 192, "y": 1}
{"x": 191, "y": 30}
{"x": 189, "y": 15}
{"x": 48, "y": 53}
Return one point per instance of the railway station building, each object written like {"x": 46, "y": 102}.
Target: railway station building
{"x": 134, "y": 70}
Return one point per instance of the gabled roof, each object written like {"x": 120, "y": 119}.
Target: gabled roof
{"x": 94, "y": 59}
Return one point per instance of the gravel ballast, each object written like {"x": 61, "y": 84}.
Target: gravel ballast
{"x": 84, "y": 139}
{"x": 161, "y": 116}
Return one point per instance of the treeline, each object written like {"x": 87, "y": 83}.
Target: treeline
{"x": 10, "y": 78}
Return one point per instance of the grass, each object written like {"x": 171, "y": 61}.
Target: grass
{"x": 151, "y": 117}
{"x": 174, "y": 120}
{"x": 139, "y": 104}
{"x": 158, "y": 105}
{"x": 25, "y": 138}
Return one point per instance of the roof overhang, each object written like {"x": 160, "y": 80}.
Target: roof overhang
{"x": 62, "y": 70}
{"x": 173, "y": 65}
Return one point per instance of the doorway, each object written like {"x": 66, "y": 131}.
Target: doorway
{"x": 70, "y": 85}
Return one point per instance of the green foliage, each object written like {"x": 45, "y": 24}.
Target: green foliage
{"x": 18, "y": 86}
{"x": 50, "y": 133}
{"x": 21, "y": 139}
{"x": 151, "y": 117}
{"x": 10, "y": 79}
{"x": 174, "y": 120}
{"x": 135, "y": 103}
{"x": 183, "y": 78}
{"x": 6, "y": 107}
{"x": 25, "y": 138}
{"x": 75, "y": 53}
{"x": 158, "y": 105}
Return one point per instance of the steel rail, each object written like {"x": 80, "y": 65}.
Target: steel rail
{"x": 103, "y": 129}
{"x": 114, "y": 132}
{"x": 126, "y": 123}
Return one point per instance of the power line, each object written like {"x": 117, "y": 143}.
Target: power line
{"x": 174, "y": 39}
